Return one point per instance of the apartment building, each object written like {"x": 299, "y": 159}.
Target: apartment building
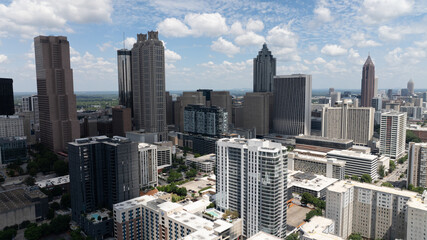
{"x": 417, "y": 164}
{"x": 393, "y": 134}
{"x": 147, "y": 156}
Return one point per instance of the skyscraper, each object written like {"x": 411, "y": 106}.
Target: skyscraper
{"x": 393, "y": 134}
{"x": 211, "y": 121}
{"x": 57, "y": 101}
{"x": 292, "y": 104}
{"x": 148, "y": 84}
{"x": 124, "y": 68}
{"x": 7, "y": 106}
{"x": 417, "y": 164}
{"x": 335, "y": 96}
{"x": 264, "y": 70}
{"x": 368, "y": 83}
{"x": 252, "y": 180}
{"x": 410, "y": 87}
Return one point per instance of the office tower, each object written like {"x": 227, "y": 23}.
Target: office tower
{"x": 122, "y": 120}
{"x": 415, "y": 113}
{"x": 377, "y": 103}
{"x": 103, "y": 172}
{"x": 251, "y": 179}
{"x": 187, "y": 98}
{"x": 355, "y": 102}
{"x": 331, "y": 90}
{"x": 124, "y": 69}
{"x": 148, "y": 84}
{"x": 417, "y": 164}
{"x": 11, "y": 126}
{"x": 404, "y": 92}
{"x": 346, "y": 122}
{"x": 147, "y": 154}
{"x": 258, "y": 112}
{"x": 292, "y": 104}
{"x": 390, "y": 94}
{"x": 30, "y": 126}
{"x": 418, "y": 102}
{"x": 376, "y": 87}
{"x": 357, "y": 163}
{"x": 416, "y": 222}
{"x": 410, "y": 87}
{"x": 393, "y": 134}
{"x": 57, "y": 101}
{"x": 31, "y": 104}
{"x": 368, "y": 83}
{"x": 335, "y": 96}
{"x": 264, "y": 70}
{"x": 372, "y": 211}
{"x": 12, "y": 149}
{"x": 169, "y": 109}
{"x": 212, "y": 121}
{"x": 221, "y": 99}
{"x": 7, "y": 105}
{"x": 425, "y": 97}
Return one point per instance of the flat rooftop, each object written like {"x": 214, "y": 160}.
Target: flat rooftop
{"x": 349, "y": 153}
{"x": 263, "y": 236}
{"x": 53, "y": 181}
{"x": 17, "y": 198}
{"x": 324, "y": 139}
{"x": 344, "y": 185}
{"x": 205, "y": 158}
{"x": 309, "y": 181}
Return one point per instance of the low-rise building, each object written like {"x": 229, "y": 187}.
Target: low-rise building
{"x": 319, "y": 228}
{"x": 356, "y": 163}
{"x": 322, "y": 144}
{"x": 62, "y": 181}
{"x": 263, "y": 236}
{"x": 13, "y": 149}
{"x": 204, "y": 163}
{"x": 165, "y": 150}
{"x": 300, "y": 182}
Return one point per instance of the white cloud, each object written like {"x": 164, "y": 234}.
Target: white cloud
{"x": 388, "y": 33}
{"x": 254, "y": 25}
{"x": 410, "y": 55}
{"x": 354, "y": 57}
{"x": 171, "y": 56}
{"x": 3, "y": 58}
{"x": 237, "y": 29}
{"x": 172, "y": 27}
{"x": 333, "y": 50}
{"x": 335, "y": 66}
{"x": 360, "y": 40}
{"x": 223, "y": 46}
{"x": 207, "y": 24}
{"x": 377, "y": 11}
{"x": 129, "y": 41}
{"x": 169, "y": 66}
{"x": 422, "y": 44}
{"x": 312, "y": 48}
{"x": 394, "y": 56}
{"x": 319, "y": 60}
{"x": 323, "y": 14}
{"x": 104, "y": 46}
{"x": 249, "y": 38}
{"x": 32, "y": 17}
{"x": 283, "y": 43}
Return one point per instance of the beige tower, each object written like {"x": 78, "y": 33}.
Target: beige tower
{"x": 57, "y": 102}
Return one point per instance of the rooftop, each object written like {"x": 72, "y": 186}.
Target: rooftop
{"x": 54, "y": 181}
{"x": 263, "y": 236}
{"x": 204, "y": 158}
{"x": 349, "y": 153}
{"x": 344, "y": 185}
{"x": 309, "y": 181}
{"x": 315, "y": 229}
{"x": 324, "y": 139}
{"x": 18, "y": 198}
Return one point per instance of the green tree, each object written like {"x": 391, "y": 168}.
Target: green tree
{"x": 381, "y": 171}
{"x": 402, "y": 159}
{"x": 50, "y": 214}
{"x": 293, "y": 236}
{"x": 366, "y": 178}
{"x": 174, "y": 176}
{"x": 33, "y": 232}
{"x": 312, "y": 213}
{"x": 8, "y": 234}
{"x": 392, "y": 166}
{"x": 66, "y": 201}
{"x": 191, "y": 173}
{"x": 355, "y": 236}
{"x": 355, "y": 178}
{"x": 46, "y": 229}
{"x": 411, "y": 137}
{"x": 60, "y": 167}
{"x": 30, "y": 181}
{"x": 387, "y": 184}
{"x": 60, "y": 224}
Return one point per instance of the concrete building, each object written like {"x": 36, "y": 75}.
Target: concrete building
{"x": 124, "y": 70}
{"x": 357, "y": 163}
{"x": 264, "y": 70}
{"x": 22, "y": 204}
{"x": 148, "y": 84}
{"x": 416, "y": 219}
{"x": 376, "y": 103}
{"x": 147, "y": 155}
{"x": 122, "y": 121}
{"x": 410, "y": 87}
{"x": 103, "y": 172}
{"x": 393, "y": 134}
{"x": 164, "y": 154}
{"x": 316, "y": 163}
{"x": 142, "y": 137}
{"x": 13, "y": 149}
{"x": 414, "y": 113}
{"x": 7, "y": 105}
{"x": 169, "y": 109}
{"x": 251, "y": 179}
{"x": 149, "y": 218}
{"x": 210, "y": 121}
{"x": 31, "y": 129}
{"x": 198, "y": 143}
{"x": 204, "y": 163}
{"x": 264, "y": 236}
{"x": 322, "y": 144}
{"x": 11, "y": 126}
{"x": 223, "y": 100}
{"x": 356, "y": 123}
{"x": 368, "y": 83}
{"x": 372, "y": 211}
{"x": 55, "y": 91}
{"x": 187, "y": 98}
{"x": 258, "y": 112}
{"x": 335, "y": 97}
{"x": 318, "y": 228}
{"x": 417, "y": 164}
{"x": 418, "y": 131}
{"x": 301, "y": 182}
{"x": 31, "y": 104}
{"x": 292, "y": 104}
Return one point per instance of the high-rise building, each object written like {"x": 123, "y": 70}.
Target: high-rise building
{"x": 169, "y": 109}
{"x": 377, "y": 103}
{"x": 410, "y": 87}
{"x": 264, "y": 70}
{"x": 148, "y": 84}
{"x": 124, "y": 69}
{"x": 292, "y": 104}
{"x": 212, "y": 121}
{"x": 31, "y": 104}
{"x": 372, "y": 211}
{"x": 187, "y": 98}
{"x": 417, "y": 164}
{"x": 390, "y": 94}
{"x": 103, "y": 172}
{"x": 122, "y": 120}
{"x": 331, "y": 90}
{"x": 393, "y": 134}
{"x": 368, "y": 83}
{"x": 11, "y": 126}
{"x": 335, "y": 96}
{"x": 425, "y": 97}
{"x": 251, "y": 179}
{"x": 357, "y": 163}
{"x": 147, "y": 154}
{"x": 416, "y": 222}
{"x": 258, "y": 112}
{"x": 404, "y": 92}
{"x": 346, "y": 122}
{"x": 223, "y": 100}
{"x": 7, "y": 105}
{"x": 57, "y": 101}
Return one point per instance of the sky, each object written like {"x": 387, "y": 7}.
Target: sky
{"x": 212, "y": 43}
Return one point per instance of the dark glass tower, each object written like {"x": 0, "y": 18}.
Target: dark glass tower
{"x": 368, "y": 83}
{"x": 264, "y": 70}
{"x": 7, "y": 106}
{"x": 125, "y": 77}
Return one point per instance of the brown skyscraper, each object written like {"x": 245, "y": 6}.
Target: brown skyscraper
{"x": 57, "y": 102}
{"x": 368, "y": 83}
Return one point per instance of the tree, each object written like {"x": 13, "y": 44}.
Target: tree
{"x": 355, "y": 178}
{"x": 174, "y": 176}
{"x": 366, "y": 178}
{"x": 60, "y": 167}
{"x": 33, "y": 232}
{"x": 46, "y": 229}
{"x": 60, "y": 224}
{"x": 312, "y": 213}
{"x": 30, "y": 181}
{"x": 182, "y": 191}
{"x": 381, "y": 171}
{"x": 66, "y": 201}
{"x": 411, "y": 137}
{"x": 355, "y": 236}
{"x": 191, "y": 173}
{"x": 387, "y": 184}
{"x": 50, "y": 214}
{"x": 8, "y": 234}
{"x": 402, "y": 159}
{"x": 55, "y": 206}
{"x": 293, "y": 236}
{"x": 392, "y": 166}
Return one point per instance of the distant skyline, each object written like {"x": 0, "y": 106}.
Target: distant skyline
{"x": 211, "y": 44}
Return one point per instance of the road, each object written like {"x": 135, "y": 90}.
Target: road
{"x": 393, "y": 177}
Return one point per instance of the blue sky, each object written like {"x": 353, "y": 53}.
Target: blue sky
{"x": 211, "y": 44}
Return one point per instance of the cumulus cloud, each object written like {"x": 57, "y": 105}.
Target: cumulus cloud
{"x": 323, "y": 14}
{"x": 223, "y": 46}
{"x": 31, "y": 17}
{"x": 354, "y": 57}
{"x": 254, "y": 25}
{"x": 319, "y": 60}
{"x": 377, "y": 11}
{"x": 3, "y": 58}
{"x": 410, "y": 55}
{"x": 360, "y": 39}
{"x": 237, "y": 28}
{"x": 104, "y": 46}
{"x": 283, "y": 42}
{"x": 333, "y": 50}
{"x": 171, "y": 56}
{"x": 172, "y": 27}
{"x": 388, "y": 33}
{"x": 128, "y": 42}
{"x": 249, "y": 38}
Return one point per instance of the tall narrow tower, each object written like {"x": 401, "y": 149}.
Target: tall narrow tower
{"x": 148, "y": 84}
{"x": 57, "y": 102}
{"x": 125, "y": 77}
{"x": 264, "y": 70}
{"x": 368, "y": 83}
{"x": 410, "y": 87}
